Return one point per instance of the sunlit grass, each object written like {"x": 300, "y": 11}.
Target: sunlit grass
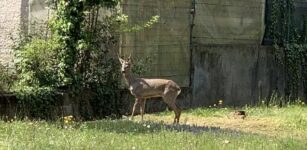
{"x": 271, "y": 128}
{"x": 288, "y": 121}
{"x": 123, "y": 134}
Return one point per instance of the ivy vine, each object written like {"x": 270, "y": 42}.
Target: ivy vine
{"x": 290, "y": 46}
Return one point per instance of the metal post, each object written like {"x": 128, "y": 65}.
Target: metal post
{"x": 191, "y": 46}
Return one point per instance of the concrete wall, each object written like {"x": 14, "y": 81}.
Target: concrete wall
{"x": 10, "y": 23}
{"x": 236, "y": 74}
{"x": 167, "y": 42}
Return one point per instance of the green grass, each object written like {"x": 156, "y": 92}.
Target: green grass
{"x": 292, "y": 117}
{"x": 218, "y": 132}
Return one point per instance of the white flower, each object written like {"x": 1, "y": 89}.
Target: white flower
{"x": 226, "y": 141}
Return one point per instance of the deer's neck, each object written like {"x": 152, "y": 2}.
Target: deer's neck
{"x": 129, "y": 77}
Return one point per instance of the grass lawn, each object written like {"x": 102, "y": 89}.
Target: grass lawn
{"x": 202, "y": 128}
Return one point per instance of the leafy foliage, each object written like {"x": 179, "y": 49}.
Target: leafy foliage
{"x": 37, "y": 78}
{"x": 36, "y": 63}
{"x": 290, "y": 45}
{"x": 6, "y": 79}
{"x": 73, "y": 59}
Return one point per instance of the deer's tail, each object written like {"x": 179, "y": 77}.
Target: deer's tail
{"x": 179, "y": 90}
{"x": 177, "y": 87}
{"x": 174, "y": 87}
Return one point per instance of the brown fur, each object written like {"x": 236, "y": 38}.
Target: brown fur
{"x": 143, "y": 89}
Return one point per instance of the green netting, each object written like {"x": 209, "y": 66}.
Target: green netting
{"x": 167, "y": 42}
{"x": 229, "y": 22}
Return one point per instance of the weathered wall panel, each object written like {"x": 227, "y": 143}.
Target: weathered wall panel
{"x": 236, "y": 74}
{"x": 229, "y": 22}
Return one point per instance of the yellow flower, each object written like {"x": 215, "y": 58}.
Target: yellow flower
{"x": 69, "y": 118}
{"x": 66, "y": 121}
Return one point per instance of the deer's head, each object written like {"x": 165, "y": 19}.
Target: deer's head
{"x": 126, "y": 64}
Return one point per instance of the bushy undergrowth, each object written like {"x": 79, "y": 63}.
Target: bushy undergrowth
{"x": 6, "y": 78}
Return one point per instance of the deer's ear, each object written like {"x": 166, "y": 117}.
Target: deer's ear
{"x": 129, "y": 58}
{"x": 121, "y": 60}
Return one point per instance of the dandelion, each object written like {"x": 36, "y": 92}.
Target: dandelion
{"x": 148, "y": 126}
{"x": 262, "y": 102}
{"x": 210, "y": 106}
{"x": 303, "y": 103}
{"x": 69, "y": 118}
{"x": 68, "y": 122}
{"x": 214, "y": 105}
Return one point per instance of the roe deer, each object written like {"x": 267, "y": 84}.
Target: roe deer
{"x": 142, "y": 89}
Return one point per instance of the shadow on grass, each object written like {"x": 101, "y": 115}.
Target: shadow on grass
{"x": 126, "y": 126}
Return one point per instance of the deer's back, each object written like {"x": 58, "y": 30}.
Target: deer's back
{"x": 151, "y": 87}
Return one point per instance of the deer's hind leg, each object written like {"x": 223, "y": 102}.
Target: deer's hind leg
{"x": 170, "y": 99}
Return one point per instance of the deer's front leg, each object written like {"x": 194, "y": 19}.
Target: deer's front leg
{"x": 137, "y": 101}
{"x": 142, "y": 108}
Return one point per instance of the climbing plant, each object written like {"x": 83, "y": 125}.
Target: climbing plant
{"x": 72, "y": 59}
{"x": 290, "y": 45}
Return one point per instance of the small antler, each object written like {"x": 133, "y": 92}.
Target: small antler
{"x": 120, "y": 60}
{"x": 129, "y": 58}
